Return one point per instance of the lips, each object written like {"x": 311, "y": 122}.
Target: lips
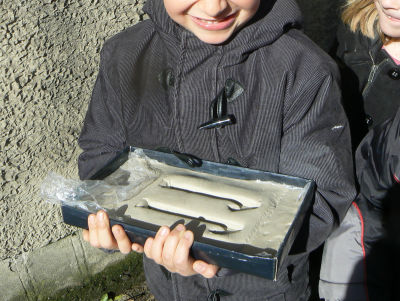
{"x": 215, "y": 24}
{"x": 392, "y": 18}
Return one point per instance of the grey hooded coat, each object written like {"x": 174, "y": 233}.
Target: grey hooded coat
{"x": 154, "y": 88}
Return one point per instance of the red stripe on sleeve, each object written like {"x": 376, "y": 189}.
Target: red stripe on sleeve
{"x": 363, "y": 248}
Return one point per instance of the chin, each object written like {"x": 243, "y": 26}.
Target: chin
{"x": 214, "y": 40}
{"x": 393, "y": 34}
{"x": 391, "y": 31}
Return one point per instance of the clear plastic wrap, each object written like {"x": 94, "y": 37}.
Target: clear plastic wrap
{"x": 93, "y": 195}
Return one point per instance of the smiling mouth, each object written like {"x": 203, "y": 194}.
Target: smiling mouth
{"x": 391, "y": 18}
{"x": 210, "y": 21}
{"x": 218, "y": 24}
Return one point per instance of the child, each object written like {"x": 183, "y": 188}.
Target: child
{"x": 369, "y": 51}
{"x": 369, "y": 47}
{"x": 281, "y": 111}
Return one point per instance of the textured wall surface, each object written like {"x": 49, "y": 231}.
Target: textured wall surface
{"x": 48, "y": 63}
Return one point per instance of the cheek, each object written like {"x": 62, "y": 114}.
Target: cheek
{"x": 252, "y": 6}
{"x": 378, "y": 6}
{"x": 386, "y": 3}
{"x": 178, "y": 9}
{"x": 249, "y": 5}
{"x": 171, "y": 7}
{"x": 178, "y": 6}
{"x": 389, "y": 29}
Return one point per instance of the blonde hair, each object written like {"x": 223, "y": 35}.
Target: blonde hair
{"x": 362, "y": 15}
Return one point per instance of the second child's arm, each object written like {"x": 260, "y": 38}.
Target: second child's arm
{"x": 378, "y": 160}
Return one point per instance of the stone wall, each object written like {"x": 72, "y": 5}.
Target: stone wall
{"x": 48, "y": 63}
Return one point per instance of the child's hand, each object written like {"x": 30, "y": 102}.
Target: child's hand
{"x": 171, "y": 249}
{"x": 100, "y": 235}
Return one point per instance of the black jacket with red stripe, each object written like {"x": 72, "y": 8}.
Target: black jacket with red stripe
{"x": 378, "y": 161}
{"x": 378, "y": 171}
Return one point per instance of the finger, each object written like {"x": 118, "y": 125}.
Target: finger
{"x": 148, "y": 246}
{"x": 205, "y": 269}
{"x": 93, "y": 231}
{"x": 104, "y": 234}
{"x": 170, "y": 245}
{"x": 85, "y": 235}
{"x": 158, "y": 244}
{"x": 137, "y": 248}
{"x": 183, "y": 262}
{"x": 123, "y": 241}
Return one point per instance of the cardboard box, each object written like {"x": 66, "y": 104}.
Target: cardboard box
{"x": 243, "y": 258}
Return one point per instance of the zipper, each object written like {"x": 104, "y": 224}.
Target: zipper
{"x": 176, "y": 95}
{"x": 372, "y": 74}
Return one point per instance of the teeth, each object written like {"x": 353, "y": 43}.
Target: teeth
{"x": 392, "y": 18}
{"x": 210, "y": 21}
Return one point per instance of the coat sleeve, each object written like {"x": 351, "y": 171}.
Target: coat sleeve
{"x": 378, "y": 160}
{"x": 103, "y": 133}
{"x": 316, "y": 145}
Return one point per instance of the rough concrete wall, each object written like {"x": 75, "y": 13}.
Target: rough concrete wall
{"x": 48, "y": 63}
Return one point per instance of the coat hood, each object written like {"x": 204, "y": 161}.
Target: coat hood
{"x": 274, "y": 18}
